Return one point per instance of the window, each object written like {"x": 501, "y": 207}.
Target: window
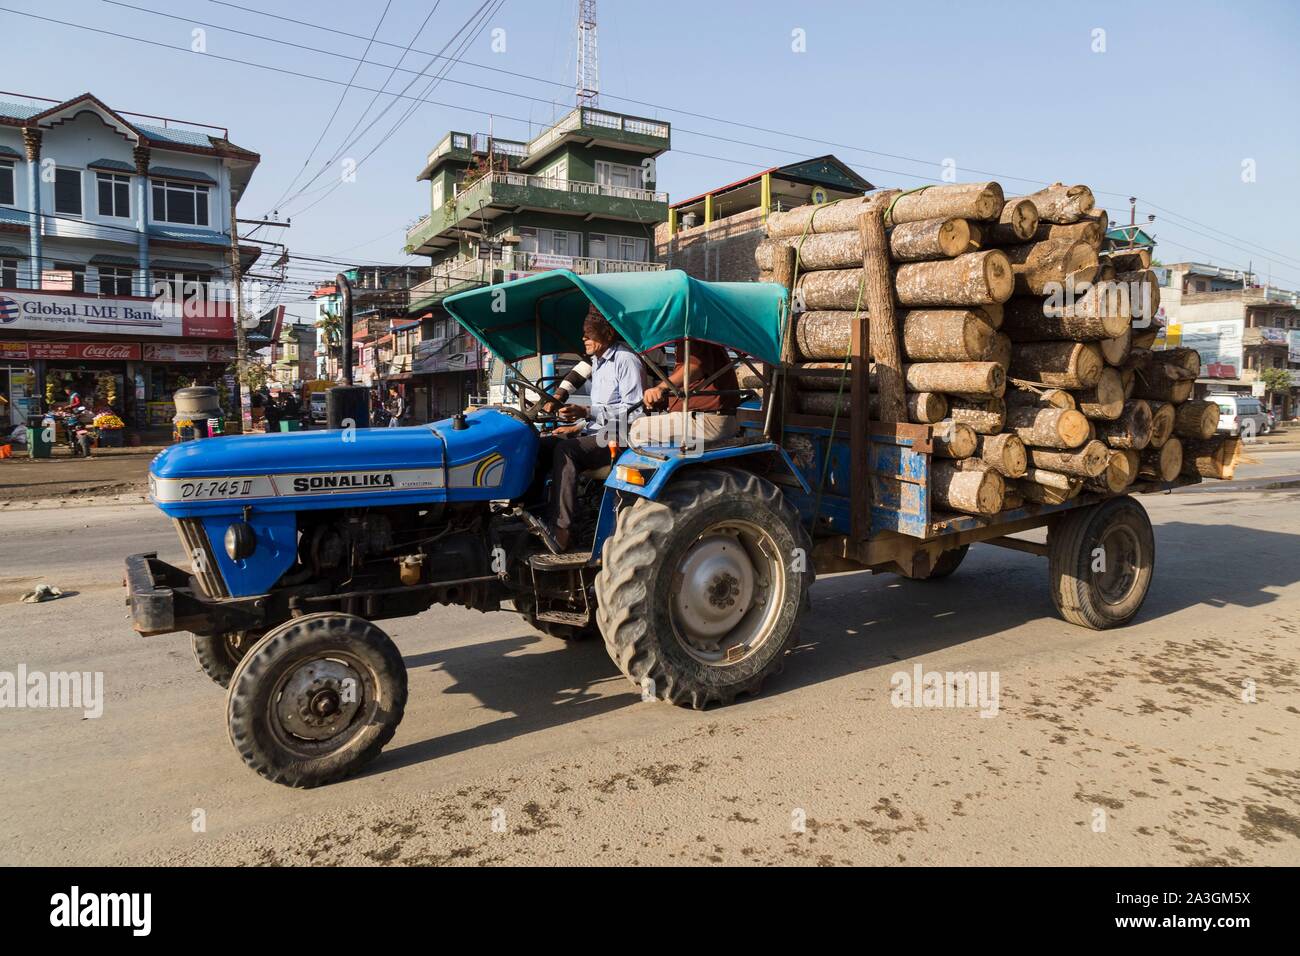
{"x": 114, "y": 280}
{"x": 439, "y": 193}
{"x": 616, "y": 174}
{"x": 557, "y": 172}
{"x": 550, "y": 242}
{"x": 180, "y": 203}
{"x": 626, "y": 248}
{"x": 67, "y": 191}
{"x": 9, "y": 273}
{"x": 114, "y": 195}
{"x": 6, "y": 184}
{"x": 78, "y": 274}
{"x": 181, "y": 287}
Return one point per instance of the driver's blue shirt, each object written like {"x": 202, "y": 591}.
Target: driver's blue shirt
{"x": 615, "y": 387}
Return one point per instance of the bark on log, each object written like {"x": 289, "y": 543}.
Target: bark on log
{"x": 1211, "y": 458}
{"x": 1131, "y": 430}
{"x": 1051, "y": 479}
{"x": 1001, "y": 351}
{"x": 910, "y": 242}
{"x": 1130, "y": 260}
{"x": 1162, "y": 423}
{"x": 1062, "y": 204}
{"x": 1121, "y": 471}
{"x": 1197, "y": 420}
{"x": 1115, "y": 350}
{"x": 1046, "y": 494}
{"x": 1086, "y": 462}
{"x": 972, "y": 492}
{"x": 980, "y": 201}
{"x": 1035, "y": 265}
{"x": 976, "y": 236}
{"x": 1105, "y": 400}
{"x": 1162, "y": 463}
{"x": 1048, "y": 427}
{"x": 1143, "y": 292}
{"x": 954, "y": 439}
{"x": 1086, "y": 230}
{"x": 878, "y": 294}
{"x": 923, "y": 408}
{"x": 1017, "y": 223}
{"x": 1005, "y": 453}
{"x": 984, "y": 416}
{"x": 976, "y": 278}
{"x": 1034, "y": 319}
{"x": 824, "y": 335}
{"x": 980, "y": 379}
{"x": 945, "y": 335}
{"x": 815, "y": 219}
{"x": 1130, "y": 382}
{"x": 1047, "y": 398}
{"x": 1163, "y": 382}
{"x": 1058, "y": 364}
{"x": 992, "y": 314}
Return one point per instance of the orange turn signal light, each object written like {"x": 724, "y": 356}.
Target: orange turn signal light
{"x": 629, "y": 475}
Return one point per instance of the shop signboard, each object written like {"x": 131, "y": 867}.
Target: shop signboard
{"x": 51, "y": 311}
{"x": 1293, "y": 345}
{"x": 16, "y": 351}
{"x": 85, "y": 351}
{"x": 157, "y": 352}
{"x": 1272, "y": 336}
{"x": 1219, "y": 344}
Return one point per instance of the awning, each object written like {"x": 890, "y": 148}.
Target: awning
{"x": 12, "y": 252}
{"x": 10, "y": 153}
{"x": 116, "y": 165}
{"x": 104, "y": 259}
{"x": 178, "y": 266}
{"x": 647, "y": 309}
{"x": 171, "y": 172}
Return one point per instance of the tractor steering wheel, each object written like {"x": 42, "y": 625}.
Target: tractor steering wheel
{"x": 516, "y": 389}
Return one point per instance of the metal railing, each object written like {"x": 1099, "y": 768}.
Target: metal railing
{"x": 456, "y": 272}
{"x": 566, "y": 185}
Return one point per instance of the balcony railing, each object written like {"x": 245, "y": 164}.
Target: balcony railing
{"x": 589, "y": 117}
{"x": 568, "y": 185}
{"x": 458, "y": 272}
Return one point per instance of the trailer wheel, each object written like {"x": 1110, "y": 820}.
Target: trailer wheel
{"x": 1101, "y": 560}
{"x": 947, "y": 563}
{"x": 699, "y": 592}
{"x": 219, "y": 654}
{"x": 316, "y": 699}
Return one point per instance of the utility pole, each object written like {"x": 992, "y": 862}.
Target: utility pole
{"x": 241, "y": 337}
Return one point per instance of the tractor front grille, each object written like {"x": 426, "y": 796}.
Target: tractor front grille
{"x": 203, "y": 562}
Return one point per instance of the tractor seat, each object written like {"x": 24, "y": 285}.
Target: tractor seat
{"x": 598, "y": 474}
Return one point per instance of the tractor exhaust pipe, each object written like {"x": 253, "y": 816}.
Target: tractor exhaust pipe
{"x": 347, "y": 405}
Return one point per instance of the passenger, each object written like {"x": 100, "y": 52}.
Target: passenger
{"x": 711, "y": 407}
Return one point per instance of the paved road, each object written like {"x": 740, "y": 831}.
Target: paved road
{"x": 1143, "y": 730}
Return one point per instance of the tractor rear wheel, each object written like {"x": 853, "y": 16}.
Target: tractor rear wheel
{"x": 700, "y": 591}
{"x": 316, "y": 699}
{"x": 1101, "y": 560}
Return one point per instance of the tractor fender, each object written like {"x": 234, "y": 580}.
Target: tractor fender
{"x": 659, "y": 464}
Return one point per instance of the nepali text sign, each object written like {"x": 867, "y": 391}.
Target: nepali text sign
{"x": 192, "y": 317}
{"x": 93, "y": 351}
{"x": 1219, "y": 344}
{"x": 188, "y": 353}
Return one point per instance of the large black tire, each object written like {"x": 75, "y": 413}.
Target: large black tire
{"x": 1097, "y": 593}
{"x": 219, "y": 655}
{"x": 947, "y": 563}
{"x": 644, "y": 594}
{"x": 289, "y": 711}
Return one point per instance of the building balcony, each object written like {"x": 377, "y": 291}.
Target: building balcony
{"x": 460, "y": 275}
{"x": 498, "y": 193}
{"x": 593, "y": 126}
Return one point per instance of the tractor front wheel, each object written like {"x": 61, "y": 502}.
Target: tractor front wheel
{"x": 219, "y": 654}
{"x": 316, "y": 699}
{"x": 700, "y": 591}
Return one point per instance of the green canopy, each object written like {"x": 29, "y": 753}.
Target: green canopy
{"x": 647, "y": 309}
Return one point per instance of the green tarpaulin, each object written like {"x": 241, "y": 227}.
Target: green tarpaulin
{"x": 647, "y": 309}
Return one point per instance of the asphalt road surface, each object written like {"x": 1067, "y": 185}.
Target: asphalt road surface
{"x": 1173, "y": 741}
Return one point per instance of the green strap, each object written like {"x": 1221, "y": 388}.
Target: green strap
{"x": 889, "y": 212}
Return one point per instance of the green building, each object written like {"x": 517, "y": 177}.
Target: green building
{"x": 581, "y": 195}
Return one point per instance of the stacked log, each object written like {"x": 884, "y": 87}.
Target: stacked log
{"x": 1005, "y": 325}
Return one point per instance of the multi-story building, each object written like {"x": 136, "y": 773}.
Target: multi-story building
{"x": 581, "y": 195}
{"x": 292, "y": 357}
{"x": 713, "y": 235}
{"x": 115, "y": 244}
{"x": 1240, "y": 328}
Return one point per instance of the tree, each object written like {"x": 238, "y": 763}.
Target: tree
{"x": 1275, "y": 380}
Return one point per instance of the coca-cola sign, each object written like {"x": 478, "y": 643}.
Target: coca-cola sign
{"x": 91, "y": 351}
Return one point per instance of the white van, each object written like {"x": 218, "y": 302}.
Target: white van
{"x": 1240, "y": 415}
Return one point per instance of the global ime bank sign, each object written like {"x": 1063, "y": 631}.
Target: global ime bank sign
{"x": 192, "y": 317}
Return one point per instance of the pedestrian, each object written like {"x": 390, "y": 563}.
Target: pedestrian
{"x": 394, "y": 406}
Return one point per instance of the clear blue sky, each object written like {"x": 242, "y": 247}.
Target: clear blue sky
{"x": 1183, "y": 94}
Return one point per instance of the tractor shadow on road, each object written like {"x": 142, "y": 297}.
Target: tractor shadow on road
{"x": 554, "y": 683}
{"x": 860, "y": 621}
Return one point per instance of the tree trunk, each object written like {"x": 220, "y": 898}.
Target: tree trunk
{"x": 1130, "y": 260}
{"x": 1034, "y": 487}
{"x": 1017, "y": 223}
{"x": 910, "y": 242}
{"x": 984, "y": 416}
{"x": 1162, "y": 463}
{"x": 1062, "y": 204}
{"x": 945, "y": 335}
{"x": 1197, "y": 420}
{"x": 1143, "y": 293}
{"x": 992, "y": 314}
{"x": 1037, "y": 264}
{"x": 977, "y": 278}
{"x": 972, "y": 492}
{"x": 959, "y": 200}
{"x": 1087, "y": 462}
{"x": 1048, "y": 398}
{"x": 1131, "y": 430}
{"x": 981, "y": 379}
{"x": 1001, "y": 351}
{"x": 1121, "y": 471}
{"x": 1211, "y": 458}
{"x": 815, "y": 219}
{"x": 1163, "y": 382}
{"x": 878, "y": 294}
{"x": 1004, "y": 453}
{"x": 1086, "y": 230}
{"x": 1115, "y": 350}
{"x": 1048, "y": 427}
{"x": 954, "y": 439}
{"x": 1105, "y": 400}
{"x": 1162, "y": 422}
{"x": 1033, "y": 319}
{"x": 823, "y": 335}
{"x": 1058, "y": 364}
{"x": 923, "y": 408}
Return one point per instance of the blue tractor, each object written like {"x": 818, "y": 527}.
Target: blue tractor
{"x": 693, "y": 567}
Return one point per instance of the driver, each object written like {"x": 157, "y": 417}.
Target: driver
{"x": 569, "y": 449}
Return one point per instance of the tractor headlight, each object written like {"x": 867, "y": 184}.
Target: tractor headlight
{"x": 240, "y": 541}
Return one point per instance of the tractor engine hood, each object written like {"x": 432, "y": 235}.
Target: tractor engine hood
{"x": 492, "y": 457}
